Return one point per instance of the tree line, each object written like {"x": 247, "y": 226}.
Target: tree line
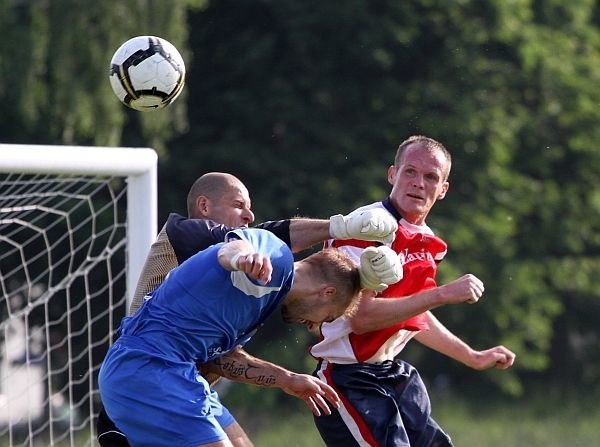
{"x": 307, "y": 101}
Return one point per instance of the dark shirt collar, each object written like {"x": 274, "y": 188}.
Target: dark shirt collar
{"x": 387, "y": 203}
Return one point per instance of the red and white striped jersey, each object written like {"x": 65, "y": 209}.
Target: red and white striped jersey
{"x": 420, "y": 252}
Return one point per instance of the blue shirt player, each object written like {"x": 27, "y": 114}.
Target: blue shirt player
{"x": 149, "y": 382}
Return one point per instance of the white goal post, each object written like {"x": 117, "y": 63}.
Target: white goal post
{"x": 76, "y": 223}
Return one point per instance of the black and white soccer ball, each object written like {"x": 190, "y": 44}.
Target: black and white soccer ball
{"x": 147, "y": 73}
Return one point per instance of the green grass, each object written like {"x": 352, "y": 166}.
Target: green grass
{"x": 525, "y": 423}
{"x": 520, "y": 424}
{"x": 539, "y": 421}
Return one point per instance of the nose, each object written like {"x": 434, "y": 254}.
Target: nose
{"x": 248, "y": 216}
{"x": 418, "y": 181}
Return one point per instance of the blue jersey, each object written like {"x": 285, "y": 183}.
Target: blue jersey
{"x": 148, "y": 381}
{"x": 202, "y": 310}
{"x": 181, "y": 238}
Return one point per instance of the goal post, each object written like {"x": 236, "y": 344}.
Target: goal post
{"x": 76, "y": 223}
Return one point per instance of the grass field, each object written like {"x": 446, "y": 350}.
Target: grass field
{"x": 531, "y": 423}
{"x": 538, "y": 421}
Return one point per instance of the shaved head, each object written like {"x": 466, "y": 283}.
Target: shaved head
{"x": 213, "y": 186}
{"x": 221, "y": 197}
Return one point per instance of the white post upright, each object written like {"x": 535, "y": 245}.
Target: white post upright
{"x": 141, "y": 221}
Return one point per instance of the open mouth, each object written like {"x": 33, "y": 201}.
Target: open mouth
{"x": 415, "y": 196}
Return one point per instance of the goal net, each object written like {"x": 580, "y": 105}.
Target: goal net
{"x": 75, "y": 227}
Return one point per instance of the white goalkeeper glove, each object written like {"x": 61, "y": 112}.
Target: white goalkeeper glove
{"x": 369, "y": 225}
{"x": 379, "y": 268}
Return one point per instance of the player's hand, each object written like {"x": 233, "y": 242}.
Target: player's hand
{"x": 379, "y": 268}
{"x": 369, "y": 225}
{"x": 254, "y": 265}
{"x": 314, "y": 392}
{"x": 466, "y": 289}
{"x": 496, "y": 357}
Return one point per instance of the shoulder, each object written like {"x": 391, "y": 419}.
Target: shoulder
{"x": 281, "y": 229}
{"x": 370, "y": 206}
{"x": 256, "y": 237}
{"x": 264, "y": 242}
{"x": 178, "y": 223}
{"x": 188, "y": 236}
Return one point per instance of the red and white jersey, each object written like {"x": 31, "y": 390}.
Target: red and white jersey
{"x": 420, "y": 252}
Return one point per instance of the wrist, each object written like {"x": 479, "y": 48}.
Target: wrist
{"x": 436, "y": 298}
{"x": 233, "y": 261}
{"x": 337, "y": 227}
{"x": 285, "y": 378}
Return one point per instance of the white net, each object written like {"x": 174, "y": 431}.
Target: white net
{"x": 62, "y": 264}
{"x": 64, "y": 259}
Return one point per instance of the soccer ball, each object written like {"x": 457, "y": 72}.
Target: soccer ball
{"x": 147, "y": 73}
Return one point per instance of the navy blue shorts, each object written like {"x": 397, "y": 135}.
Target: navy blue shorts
{"x": 382, "y": 406}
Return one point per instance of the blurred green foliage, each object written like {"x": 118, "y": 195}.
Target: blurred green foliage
{"x": 306, "y": 103}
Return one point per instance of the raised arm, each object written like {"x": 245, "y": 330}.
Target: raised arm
{"x": 240, "y": 366}
{"x": 305, "y": 233}
{"x": 240, "y": 255}
{"x": 369, "y": 225}
{"x": 379, "y": 313}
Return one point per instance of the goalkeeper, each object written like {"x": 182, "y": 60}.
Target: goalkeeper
{"x": 218, "y": 202}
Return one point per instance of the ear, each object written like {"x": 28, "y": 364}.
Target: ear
{"x": 202, "y": 206}
{"x": 328, "y": 292}
{"x": 391, "y": 175}
{"x": 444, "y": 191}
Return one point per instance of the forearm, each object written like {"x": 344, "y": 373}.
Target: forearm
{"x": 304, "y": 233}
{"x": 440, "y": 339}
{"x": 230, "y": 251}
{"x": 369, "y": 225}
{"x": 240, "y": 366}
{"x": 380, "y": 313}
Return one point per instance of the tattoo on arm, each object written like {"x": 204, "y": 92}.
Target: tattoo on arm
{"x": 244, "y": 371}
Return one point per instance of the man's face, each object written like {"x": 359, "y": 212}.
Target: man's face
{"x": 311, "y": 310}
{"x": 418, "y": 182}
{"x": 233, "y": 208}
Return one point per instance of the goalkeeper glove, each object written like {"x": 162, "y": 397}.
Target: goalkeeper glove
{"x": 369, "y": 225}
{"x": 379, "y": 268}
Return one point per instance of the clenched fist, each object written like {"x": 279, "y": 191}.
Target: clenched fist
{"x": 379, "y": 267}
{"x": 369, "y": 225}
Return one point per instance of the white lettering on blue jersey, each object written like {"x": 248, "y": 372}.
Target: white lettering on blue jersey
{"x": 241, "y": 282}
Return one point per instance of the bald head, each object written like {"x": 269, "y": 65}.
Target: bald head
{"x": 221, "y": 197}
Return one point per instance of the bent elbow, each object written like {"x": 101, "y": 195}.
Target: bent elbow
{"x": 358, "y": 326}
